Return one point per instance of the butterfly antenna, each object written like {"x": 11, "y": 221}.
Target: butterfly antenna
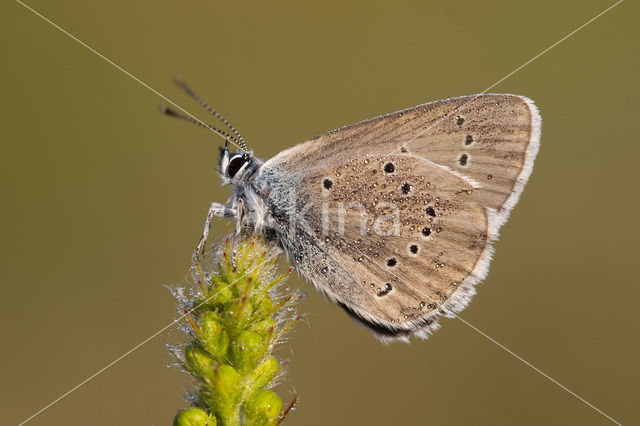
{"x": 180, "y": 82}
{"x": 173, "y": 113}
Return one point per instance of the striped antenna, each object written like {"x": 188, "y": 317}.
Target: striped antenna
{"x": 180, "y": 83}
{"x": 173, "y": 113}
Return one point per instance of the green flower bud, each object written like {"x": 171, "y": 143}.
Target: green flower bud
{"x": 227, "y": 383}
{"x": 213, "y": 335}
{"x": 264, "y": 373}
{"x": 224, "y": 393}
{"x": 245, "y": 312}
{"x": 194, "y": 417}
{"x": 263, "y": 409}
{"x": 247, "y": 349}
{"x": 198, "y": 360}
{"x": 264, "y": 327}
{"x": 264, "y": 305}
{"x": 223, "y": 293}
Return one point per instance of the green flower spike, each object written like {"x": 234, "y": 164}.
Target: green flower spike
{"x": 234, "y": 316}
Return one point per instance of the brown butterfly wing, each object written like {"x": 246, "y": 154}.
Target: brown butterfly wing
{"x": 449, "y": 209}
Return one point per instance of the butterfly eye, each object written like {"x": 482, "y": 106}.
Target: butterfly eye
{"x": 235, "y": 165}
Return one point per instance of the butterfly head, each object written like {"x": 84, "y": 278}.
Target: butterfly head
{"x": 235, "y": 166}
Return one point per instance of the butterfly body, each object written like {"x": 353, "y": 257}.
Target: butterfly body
{"x": 393, "y": 218}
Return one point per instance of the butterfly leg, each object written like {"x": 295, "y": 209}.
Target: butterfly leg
{"x": 216, "y": 209}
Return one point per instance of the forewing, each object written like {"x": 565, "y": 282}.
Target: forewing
{"x": 490, "y": 138}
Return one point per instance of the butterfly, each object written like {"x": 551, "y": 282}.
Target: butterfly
{"x": 392, "y": 218}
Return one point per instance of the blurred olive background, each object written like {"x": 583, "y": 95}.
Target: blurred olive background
{"x": 103, "y": 200}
